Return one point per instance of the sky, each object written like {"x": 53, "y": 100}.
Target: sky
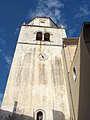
{"x": 13, "y": 13}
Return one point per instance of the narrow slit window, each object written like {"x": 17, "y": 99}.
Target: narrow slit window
{"x": 47, "y": 37}
{"x": 39, "y": 36}
{"x": 39, "y": 115}
{"x": 74, "y": 73}
{"x": 15, "y": 106}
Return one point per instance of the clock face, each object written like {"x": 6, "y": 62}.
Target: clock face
{"x": 42, "y": 56}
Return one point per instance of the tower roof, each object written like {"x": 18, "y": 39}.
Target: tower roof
{"x": 42, "y": 21}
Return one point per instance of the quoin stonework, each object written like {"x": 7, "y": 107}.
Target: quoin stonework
{"x": 50, "y": 74}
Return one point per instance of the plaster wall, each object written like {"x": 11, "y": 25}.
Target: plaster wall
{"x": 42, "y": 22}
{"x": 75, "y": 82}
{"x": 36, "y": 80}
{"x": 84, "y": 97}
{"x": 28, "y": 35}
{"x": 71, "y": 58}
{"x": 69, "y": 54}
{"x": 78, "y": 88}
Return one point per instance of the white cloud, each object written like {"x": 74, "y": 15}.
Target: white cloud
{"x": 2, "y": 46}
{"x": 49, "y": 8}
{"x": 53, "y": 3}
{"x": 8, "y": 59}
{"x": 83, "y": 12}
{"x": 71, "y": 32}
{"x": 17, "y": 31}
{"x": 2, "y": 42}
{"x": 0, "y": 50}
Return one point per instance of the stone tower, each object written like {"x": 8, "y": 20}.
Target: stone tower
{"x": 36, "y": 83}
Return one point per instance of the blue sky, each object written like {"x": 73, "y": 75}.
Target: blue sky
{"x": 13, "y": 13}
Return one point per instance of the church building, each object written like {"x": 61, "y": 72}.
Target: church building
{"x": 49, "y": 77}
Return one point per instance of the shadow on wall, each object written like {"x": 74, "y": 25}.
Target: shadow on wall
{"x": 86, "y": 35}
{"x": 57, "y": 115}
{"x": 6, "y": 115}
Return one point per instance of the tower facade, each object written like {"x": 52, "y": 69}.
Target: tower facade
{"x": 36, "y": 83}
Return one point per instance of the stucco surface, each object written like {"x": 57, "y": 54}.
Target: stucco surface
{"x": 36, "y": 80}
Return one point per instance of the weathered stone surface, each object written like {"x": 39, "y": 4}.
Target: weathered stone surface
{"x": 36, "y": 80}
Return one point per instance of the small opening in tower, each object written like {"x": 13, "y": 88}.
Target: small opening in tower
{"x": 74, "y": 73}
{"x": 39, "y": 36}
{"x": 47, "y": 37}
{"x": 43, "y": 56}
{"x": 15, "y": 106}
{"x": 39, "y": 115}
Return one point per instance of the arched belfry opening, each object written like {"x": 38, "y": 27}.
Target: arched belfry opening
{"x": 47, "y": 37}
{"x": 39, "y": 115}
{"x": 39, "y": 36}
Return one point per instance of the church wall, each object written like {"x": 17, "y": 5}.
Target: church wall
{"x": 66, "y": 81}
{"x": 71, "y": 82}
{"x": 75, "y": 81}
{"x": 29, "y": 79}
{"x": 79, "y": 84}
{"x": 28, "y": 35}
{"x": 84, "y": 98}
{"x": 43, "y": 22}
{"x": 36, "y": 81}
{"x": 69, "y": 54}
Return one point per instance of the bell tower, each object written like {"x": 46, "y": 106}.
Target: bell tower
{"x": 36, "y": 83}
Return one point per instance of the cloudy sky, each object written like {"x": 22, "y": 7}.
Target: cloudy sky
{"x": 13, "y": 13}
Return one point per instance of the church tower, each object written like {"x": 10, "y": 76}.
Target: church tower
{"x": 36, "y": 83}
